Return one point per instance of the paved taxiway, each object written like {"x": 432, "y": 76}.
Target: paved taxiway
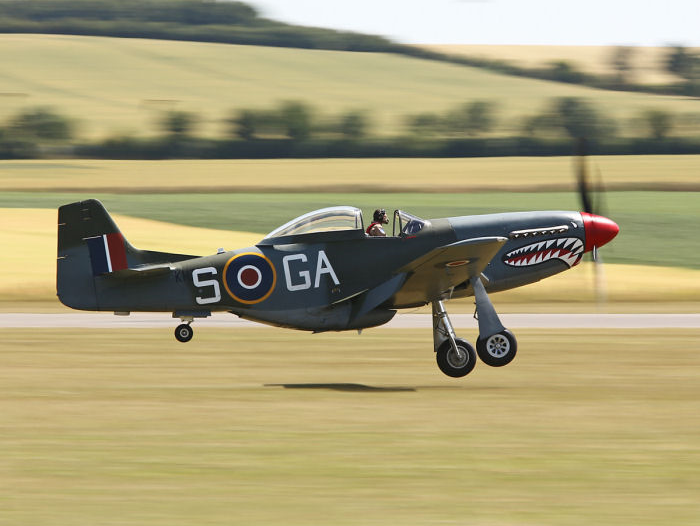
{"x": 400, "y": 321}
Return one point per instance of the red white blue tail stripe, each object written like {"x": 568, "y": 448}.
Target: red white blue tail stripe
{"x": 107, "y": 253}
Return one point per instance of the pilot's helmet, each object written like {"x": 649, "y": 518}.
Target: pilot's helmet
{"x": 379, "y": 213}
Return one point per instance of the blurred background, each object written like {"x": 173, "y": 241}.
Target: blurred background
{"x": 203, "y": 113}
{"x": 203, "y": 124}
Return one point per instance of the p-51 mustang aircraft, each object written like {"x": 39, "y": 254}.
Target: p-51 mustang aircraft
{"x": 321, "y": 272}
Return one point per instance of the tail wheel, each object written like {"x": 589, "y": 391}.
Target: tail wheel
{"x": 183, "y": 333}
{"x": 498, "y": 349}
{"x": 456, "y": 363}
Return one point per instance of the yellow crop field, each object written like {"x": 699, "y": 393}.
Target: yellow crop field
{"x": 351, "y": 175}
{"x": 28, "y": 238}
{"x": 112, "y": 86}
{"x": 647, "y": 62}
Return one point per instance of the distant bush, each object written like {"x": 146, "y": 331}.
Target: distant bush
{"x": 466, "y": 120}
{"x": 658, "y": 122}
{"x": 178, "y": 124}
{"x": 570, "y": 116}
{"x": 354, "y": 125}
{"x": 41, "y": 125}
{"x": 563, "y": 71}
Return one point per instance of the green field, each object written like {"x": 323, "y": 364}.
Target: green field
{"x": 279, "y": 427}
{"x": 645, "y": 218}
{"x": 116, "y": 86}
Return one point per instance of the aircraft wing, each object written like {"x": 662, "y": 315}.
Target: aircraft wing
{"x": 445, "y": 267}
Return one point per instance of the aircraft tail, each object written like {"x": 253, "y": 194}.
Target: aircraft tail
{"x": 91, "y": 248}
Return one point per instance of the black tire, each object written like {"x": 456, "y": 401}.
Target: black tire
{"x": 455, "y": 365}
{"x": 498, "y": 349}
{"x": 183, "y": 333}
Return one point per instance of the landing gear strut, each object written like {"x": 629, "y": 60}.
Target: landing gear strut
{"x": 455, "y": 356}
{"x": 496, "y": 345}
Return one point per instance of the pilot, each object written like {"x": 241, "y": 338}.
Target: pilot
{"x": 380, "y": 218}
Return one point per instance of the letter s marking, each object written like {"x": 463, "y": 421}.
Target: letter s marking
{"x": 206, "y": 283}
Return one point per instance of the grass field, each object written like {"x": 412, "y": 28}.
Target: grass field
{"x": 278, "y": 427}
{"x": 647, "y": 62}
{"x": 121, "y": 86}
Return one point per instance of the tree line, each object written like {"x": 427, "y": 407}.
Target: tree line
{"x": 680, "y": 61}
{"x": 239, "y": 23}
{"x": 296, "y": 129}
{"x": 188, "y": 20}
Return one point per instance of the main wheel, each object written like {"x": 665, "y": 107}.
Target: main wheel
{"x": 183, "y": 333}
{"x": 459, "y": 363}
{"x": 498, "y": 349}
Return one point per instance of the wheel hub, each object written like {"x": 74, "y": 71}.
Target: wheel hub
{"x": 498, "y": 346}
{"x": 457, "y": 358}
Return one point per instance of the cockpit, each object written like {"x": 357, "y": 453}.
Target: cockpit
{"x": 330, "y": 219}
{"x": 347, "y": 219}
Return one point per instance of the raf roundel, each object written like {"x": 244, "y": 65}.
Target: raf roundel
{"x": 249, "y": 277}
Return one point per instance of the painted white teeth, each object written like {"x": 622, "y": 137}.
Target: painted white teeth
{"x": 566, "y": 249}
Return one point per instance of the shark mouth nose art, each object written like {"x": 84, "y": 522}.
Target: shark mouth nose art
{"x": 567, "y": 249}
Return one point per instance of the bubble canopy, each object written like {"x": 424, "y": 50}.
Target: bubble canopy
{"x": 332, "y": 219}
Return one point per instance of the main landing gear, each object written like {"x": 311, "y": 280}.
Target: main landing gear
{"x": 496, "y": 345}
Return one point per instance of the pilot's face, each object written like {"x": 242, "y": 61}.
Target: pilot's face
{"x": 385, "y": 219}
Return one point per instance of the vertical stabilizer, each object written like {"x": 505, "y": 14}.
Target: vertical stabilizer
{"x": 89, "y": 244}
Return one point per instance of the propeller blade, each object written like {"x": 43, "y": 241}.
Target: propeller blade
{"x": 601, "y": 289}
{"x": 593, "y": 202}
{"x": 582, "y": 176}
{"x": 600, "y": 205}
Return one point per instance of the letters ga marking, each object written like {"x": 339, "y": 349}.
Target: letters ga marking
{"x": 302, "y": 278}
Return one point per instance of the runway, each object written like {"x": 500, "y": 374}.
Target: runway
{"x": 401, "y": 321}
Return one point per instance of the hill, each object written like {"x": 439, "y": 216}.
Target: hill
{"x": 113, "y": 86}
{"x": 189, "y": 20}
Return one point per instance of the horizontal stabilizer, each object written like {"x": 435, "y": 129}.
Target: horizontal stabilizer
{"x": 140, "y": 272}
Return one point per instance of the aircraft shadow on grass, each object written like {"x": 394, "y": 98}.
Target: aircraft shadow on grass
{"x": 362, "y": 388}
{"x": 347, "y": 387}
